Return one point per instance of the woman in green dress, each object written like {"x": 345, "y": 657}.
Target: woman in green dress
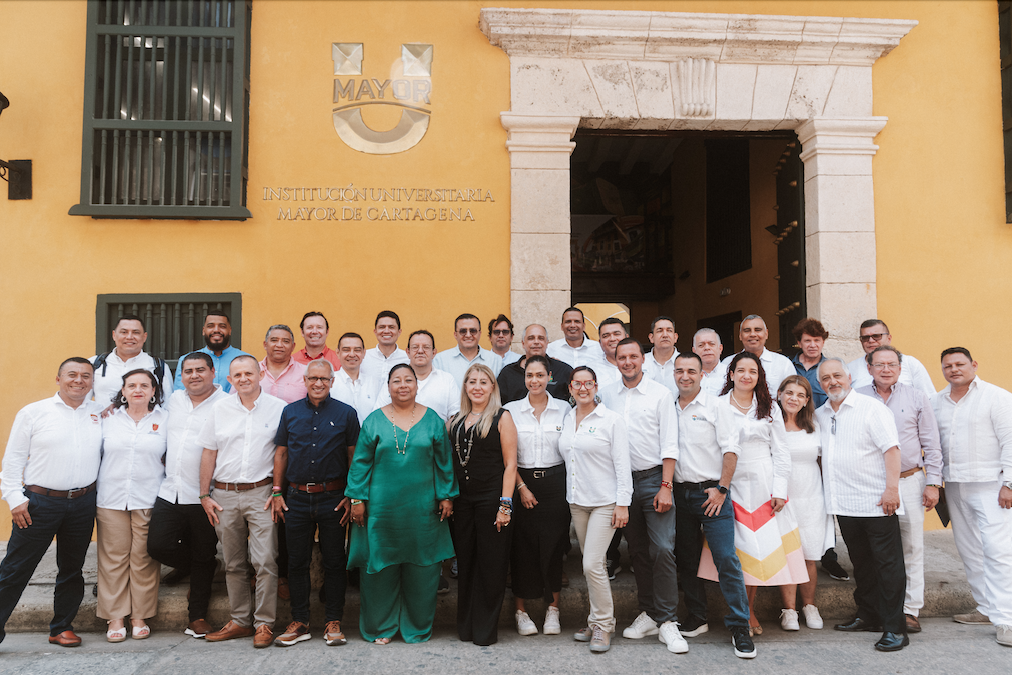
{"x": 401, "y": 486}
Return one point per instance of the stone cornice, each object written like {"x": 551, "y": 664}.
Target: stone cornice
{"x": 670, "y": 36}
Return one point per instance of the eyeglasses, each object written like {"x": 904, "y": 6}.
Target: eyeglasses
{"x": 501, "y": 331}
{"x": 468, "y": 331}
{"x": 313, "y": 379}
{"x": 583, "y": 385}
{"x": 880, "y": 366}
{"x": 877, "y": 337}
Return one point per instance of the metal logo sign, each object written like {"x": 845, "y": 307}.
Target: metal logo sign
{"x": 408, "y": 88}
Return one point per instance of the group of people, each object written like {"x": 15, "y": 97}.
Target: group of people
{"x": 727, "y": 469}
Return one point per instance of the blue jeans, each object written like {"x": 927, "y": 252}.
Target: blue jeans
{"x": 719, "y": 530}
{"x": 69, "y": 520}
{"x": 305, "y": 513}
{"x": 651, "y": 537}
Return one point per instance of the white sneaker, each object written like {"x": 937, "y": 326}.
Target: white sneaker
{"x": 1004, "y": 635}
{"x": 812, "y": 617}
{"x": 670, "y": 636}
{"x": 524, "y": 624}
{"x": 789, "y": 619}
{"x": 552, "y": 626}
{"x": 641, "y": 627}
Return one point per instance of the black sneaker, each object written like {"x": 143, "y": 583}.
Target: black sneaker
{"x": 834, "y": 570}
{"x": 444, "y": 586}
{"x": 693, "y": 626}
{"x": 613, "y": 569}
{"x": 744, "y": 648}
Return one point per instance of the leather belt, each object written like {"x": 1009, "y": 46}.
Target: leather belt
{"x": 911, "y": 472}
{"x": 545, "y": 473}
{"x": 242, "y": 487}
{"x": 705, "y": 485}
{"x": 329, "y": 486}
{"x": 61, "y": 494}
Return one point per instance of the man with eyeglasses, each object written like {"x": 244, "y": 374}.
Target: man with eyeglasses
{"x": 920, "y": 465}
{"x": 456, "y": 361}
{"x": 500, "y": 334}
{"x": 436, "y": 389}
{"x": 875, "y": 334}
{"x": 512, "y": 378}
{"x": 315, "y": 441}
{"x": 861, "y": 475}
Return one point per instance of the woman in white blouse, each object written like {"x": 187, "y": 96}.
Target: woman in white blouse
{"x": 133, "y": 444}
{"x": 807, "y": 498}
{"x": 540, "y": 514}
{"x": 765, "y": 531}
{"x": 595, "y": 447}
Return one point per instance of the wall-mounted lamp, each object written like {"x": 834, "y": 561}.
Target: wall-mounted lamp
{"x": 17, "y": 172}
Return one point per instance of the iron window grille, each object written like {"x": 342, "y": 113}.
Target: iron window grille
{"x": 166, "y": 110}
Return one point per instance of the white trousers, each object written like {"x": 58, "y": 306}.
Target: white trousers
{"x": 912, "y": 533}
{"x": 594, "y": 531}
{"x": 983, "y": 534}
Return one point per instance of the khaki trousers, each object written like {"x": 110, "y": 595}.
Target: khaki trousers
{"x": 243, "y": 526}
{"x": 127, "y": 576}
{"x": 594, "y": 531}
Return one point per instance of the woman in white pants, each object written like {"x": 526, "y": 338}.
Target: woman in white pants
{"x": 595, "y": 448}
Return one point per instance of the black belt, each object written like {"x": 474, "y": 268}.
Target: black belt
{"x": 646, "y": 472}
{"x": 544, "y": 473}
{"x": 705, "y": 485}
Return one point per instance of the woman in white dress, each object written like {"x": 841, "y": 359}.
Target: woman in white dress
{"x": 807, "y": 498}
{"x": 765, "y": 530}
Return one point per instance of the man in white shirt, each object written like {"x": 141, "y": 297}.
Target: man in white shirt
{"x": 129, "y": 336}
{"x": 875, "y": 334}
{"x": 861, "y": 476}
{"x": 611, "y": 331}
{"x": 652, "y": 427}
{"x": 753, "y": 334}
{"x": 575, "y": 349}
{"x": 281, "y": 375}
{"x": 456, "y": 361}
{"x": 436, "y": 389}
{"x": 179, "y": 534}
{"x": 48, "y": 480}
{"x": 238, "y": 443}
{"x": 706, "y": 345}
{"x": 351, "y": 384}
{"x": 975, "y": 425}
{"x": 386, "y": 354}
{"x": 660, "y": 362}
{"x": 500, "y": 336}
{"x": 707, "y": 457}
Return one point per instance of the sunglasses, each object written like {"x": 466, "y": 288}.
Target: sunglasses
{"x": 468, "y": 331}
{"x": 877, "y": 337}
{"x": 501, "y": 331}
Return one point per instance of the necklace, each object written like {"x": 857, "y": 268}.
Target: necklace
{"x": 406, "y": 435}
{"x": 739, "y": 406}
{"x": 464, "y": 457}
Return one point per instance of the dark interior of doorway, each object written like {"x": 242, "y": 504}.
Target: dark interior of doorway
{"x": 706, "y": 227}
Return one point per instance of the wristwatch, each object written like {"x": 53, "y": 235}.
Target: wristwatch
{"x": 1007, "y": 484}
{"x": 722, "y": 489}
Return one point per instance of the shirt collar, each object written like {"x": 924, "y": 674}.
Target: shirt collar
{"x": 323, "y": 404}
{"x": 702, "y": 398}
{"x": 214, "y": 395}
{"x": 291, "y": 364}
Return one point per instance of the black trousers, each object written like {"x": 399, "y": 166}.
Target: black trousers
{"x": 540, "y": 536}
{"x": 483, "y": 556}
{"x": 877, "y": 553}
{"x": 180, "y": 536}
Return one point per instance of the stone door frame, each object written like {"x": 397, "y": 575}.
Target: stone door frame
{"x": 613, "y": 69}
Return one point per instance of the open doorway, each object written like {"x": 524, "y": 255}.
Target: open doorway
{"x": 706, "y": 228}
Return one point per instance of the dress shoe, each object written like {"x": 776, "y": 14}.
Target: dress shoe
{"x": 65, "y": 639}
{"x": 913, "y": 625}
{"x": 857, "y": 625}
{"x": 264, "y": 637}
{"x": 892, "y": 642}
{"x": 198, "y": 628}
{"x": 229, "y": 631}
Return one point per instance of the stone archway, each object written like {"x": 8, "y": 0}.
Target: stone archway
{"x": 672, "y": 70}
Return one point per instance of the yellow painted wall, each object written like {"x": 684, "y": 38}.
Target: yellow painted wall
{"x": 943, "y": 244}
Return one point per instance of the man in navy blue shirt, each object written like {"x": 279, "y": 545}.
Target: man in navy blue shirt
{"x": 315, "y": 441}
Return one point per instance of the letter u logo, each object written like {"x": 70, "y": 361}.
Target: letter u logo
{"x": 412, "y": 87}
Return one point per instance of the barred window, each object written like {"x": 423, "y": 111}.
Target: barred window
{"x": 173, "y": 321}
{"x": 166, "y": 110}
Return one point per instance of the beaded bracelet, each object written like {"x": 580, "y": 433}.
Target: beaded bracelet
{"x": 506, "y": 500}
{"x": 356, "y": 502}
{"x": 202, "y": 496}
{"x": 505, "y": 510}
{"x": 668, "y": 485}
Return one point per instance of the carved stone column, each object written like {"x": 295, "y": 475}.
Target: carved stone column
{"x": 840, "y": 226}
{"x": 540, "y": 268}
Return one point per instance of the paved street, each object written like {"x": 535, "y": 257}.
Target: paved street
{"x": 943, "y": 647}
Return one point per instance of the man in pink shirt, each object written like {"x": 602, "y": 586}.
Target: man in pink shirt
{"x": 280, "y": 374}
{"x": 315, "y": 329}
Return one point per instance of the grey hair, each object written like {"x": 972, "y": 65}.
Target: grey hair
{"x": 535, "y": 324}
{"x": 750, "y": 317}
{"x": 705, "y": 331}
{"x": 838, "y": 360}
{"x": 279, "y": 326}
{"x": 322, "y": 362}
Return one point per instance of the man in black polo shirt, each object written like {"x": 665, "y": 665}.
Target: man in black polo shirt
{"x": 316, "y": 439}
{"x": 512, "y": 385}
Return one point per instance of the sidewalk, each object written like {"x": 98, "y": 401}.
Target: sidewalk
{"x": 946, "y": 593}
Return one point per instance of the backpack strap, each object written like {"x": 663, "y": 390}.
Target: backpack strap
{"x": 100, "y": 360}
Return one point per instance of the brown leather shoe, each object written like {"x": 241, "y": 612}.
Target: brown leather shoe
{"x": 264, "y": 637}
{"x": 229, "y": 631}
{"x": 333, "y": 635}
{"x": 65, "y": 639}
{"x": 913, "y": 625}
{"x": 198, "y": 628}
